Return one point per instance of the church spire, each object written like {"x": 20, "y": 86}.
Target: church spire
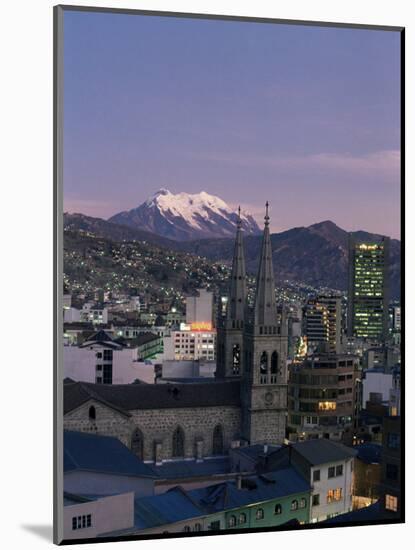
{"x": 237, "y": 291}
{"x": 265, "y": 309}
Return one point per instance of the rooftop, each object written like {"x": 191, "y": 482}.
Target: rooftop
{"x": 128, "y": 397}
{"x": 323, "y": 451}
{"x": 98, "y": 453}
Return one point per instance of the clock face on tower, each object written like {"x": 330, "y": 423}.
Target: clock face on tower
{"x": 269, "y": 398}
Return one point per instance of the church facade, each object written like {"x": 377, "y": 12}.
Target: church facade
{"x": 245, "y": 404}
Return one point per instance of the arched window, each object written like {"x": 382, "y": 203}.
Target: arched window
{"x": 178, "y": 443}
{"x": 260, "y": 513}
{"x": 137, "y": 441}
{"x": 242, "y": 518}
{"x": 236, "y": 359}
{"x": 263, "y": 363}
{"x": 274, "y": 363}
{"x": 92, "y": 413}
{"x": 278, "y": 509}
{"x": 294, "y": 505}
{"x": 303, "y": 503}
{"x": 217, "y": 447}
{"x": 232, "y": 521}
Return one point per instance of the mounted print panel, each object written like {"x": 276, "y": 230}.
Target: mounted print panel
{"x": 229, "y": 275}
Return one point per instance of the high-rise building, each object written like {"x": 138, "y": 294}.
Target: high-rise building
{"x": 322, "y": 322}
{"x": 199, "y": 310}
{"x": 368, "y": 289}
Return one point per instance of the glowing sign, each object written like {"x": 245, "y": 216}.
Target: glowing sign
{"x": 201, "y": 326}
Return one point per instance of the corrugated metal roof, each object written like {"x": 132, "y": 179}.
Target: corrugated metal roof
{"x": 322, "y": 451}
{"x": 97, "y": 453}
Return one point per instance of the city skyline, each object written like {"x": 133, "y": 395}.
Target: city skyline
{"x": 155, "y": 102}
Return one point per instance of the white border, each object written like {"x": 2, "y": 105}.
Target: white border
{"x": 26, "y": 305}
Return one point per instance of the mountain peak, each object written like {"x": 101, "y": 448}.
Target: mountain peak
{"x": 186, "y": 216}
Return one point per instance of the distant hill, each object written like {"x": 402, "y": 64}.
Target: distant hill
{"x": 316, "y": 255}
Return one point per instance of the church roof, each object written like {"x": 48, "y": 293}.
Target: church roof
{"x": 129, "y": 397}
{"x": 103, "y": 454}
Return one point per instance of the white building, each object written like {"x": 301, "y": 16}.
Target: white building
{"x": 376, "y": 384}
{"x": 199, "y": 309}
{"x": 189, "y": 345}
{"x": 102, "y": 360}
{"x": 91, "y": 518}
{"x": 329, "y": 467}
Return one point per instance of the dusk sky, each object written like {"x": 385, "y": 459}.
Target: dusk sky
{"x": 305, "y": 117}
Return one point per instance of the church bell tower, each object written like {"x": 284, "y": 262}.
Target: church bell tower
{"x": 264, "y": 381}
{"x": 231, "y": 326}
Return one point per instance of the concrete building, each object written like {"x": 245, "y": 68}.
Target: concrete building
{"x": 368, "y": 300}
{"x": 391, "y": 473}
{"x": 190, "y": 345}
{"x": 103, "y": 360}
{"x": 322, "y": 323}
{"x": 199, "y": 310}
{"x": 322, "y": 397}
{"x": 93, "y": 517}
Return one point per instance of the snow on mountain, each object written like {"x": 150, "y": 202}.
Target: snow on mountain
{"x": 185, "y": 216}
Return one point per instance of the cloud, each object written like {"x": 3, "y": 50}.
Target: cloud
{"x": 379, "y": 163}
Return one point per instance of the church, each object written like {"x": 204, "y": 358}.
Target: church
{"x": 246, "y": 403}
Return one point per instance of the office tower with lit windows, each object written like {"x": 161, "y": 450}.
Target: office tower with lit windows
{"x": 368, "y": 289}
{"x": 322, "y": 322}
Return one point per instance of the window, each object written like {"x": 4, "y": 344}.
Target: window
{"x": 186, "y": 529}
{"x": 303, "y": 503}
{"x": 327, "y": 406}
{"x": 393, "y": 441}
{"x": 391, "y": 503}
{"x": 236, "y": 359}
{"x": 214, "y": 526}
{"x": 107, "y": 354}
{"x": 294, "y": 505}
{"x": 316, "y": 500}
{"x": 107, "y": 374}
{"x": 81, "y": 522}
{"x": 274, "y": 363}
{"x": 92, "y": 413}
{"x": 392, "y": 471}
{"x": 178, "y": 443}
{"x": 278, "y": 509}
{"x": 198, "y": 526}
{"x": 334, "y": 495}
{"x": 217, "y": 448}
{"x": 242, "y": 518}
{"x": 232, "y": 521}
{"x": 332, "y": 472}
{"x": 316, "y": 475}
{"x": 137, "y": 442}
{"x": 339, "y": 470}
{"x": 263, "y": 364}
{"x": 99, "y": 355}
{"x": 260, "y": 513}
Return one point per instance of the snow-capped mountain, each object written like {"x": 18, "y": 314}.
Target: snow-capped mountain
{"x": 184, "y": 217}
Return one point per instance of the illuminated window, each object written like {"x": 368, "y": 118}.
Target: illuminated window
{"x": 334, "y": 495}
{"x": 294, "y": 505}
{"x": 242, "y": 518}
{"x": 391, "y": 503}
{"x": 232, "y": 521}
{"x": 327, "y": 406}
{"x": 260, "y": 513}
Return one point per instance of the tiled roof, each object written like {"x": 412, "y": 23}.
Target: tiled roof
{"x": 129, "y": 397}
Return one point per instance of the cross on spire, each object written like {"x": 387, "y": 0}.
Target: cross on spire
{"x": 266, "y": 214}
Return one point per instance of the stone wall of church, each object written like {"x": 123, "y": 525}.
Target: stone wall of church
{"x": 158, "y": 426}
{"x": 267, "y": 426}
